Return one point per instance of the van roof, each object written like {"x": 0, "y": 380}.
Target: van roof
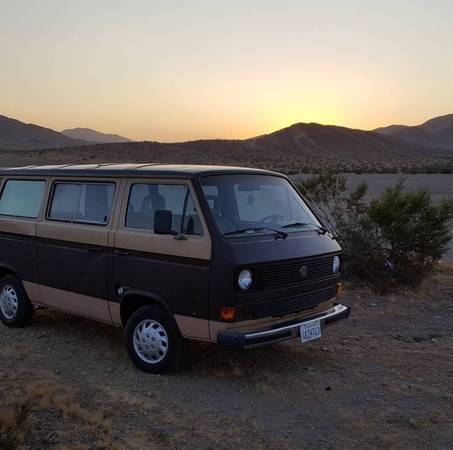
{"x": 130, "y": 170}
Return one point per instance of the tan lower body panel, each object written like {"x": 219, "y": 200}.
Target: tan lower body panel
{"x": 33, "y": 291}
{"x": 103, "y": 311}
{"x": 70, "y": 302}
{"x": 115, "y": 313}
{"x": 193, "y": 328}
{"x": 109, "y": 312}
{"x": 189, "y": 327}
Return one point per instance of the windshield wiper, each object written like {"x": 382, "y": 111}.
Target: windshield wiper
{"x": 321, "y": 230}
{"x": 282, "y": 234}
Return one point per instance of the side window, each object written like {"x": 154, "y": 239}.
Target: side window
{"x": 22, "y": 198}
{"x": 82, "y": 202}
{"x": 146, "y": 199}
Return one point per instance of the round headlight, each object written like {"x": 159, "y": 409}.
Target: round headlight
{"x": 245, "y": 279}
{"x": 336, "y": 264}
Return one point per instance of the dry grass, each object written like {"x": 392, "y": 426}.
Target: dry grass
{"x": 56, "y": 416}
{"x": 13, "y": 425}
{"x": 37, "y": 400}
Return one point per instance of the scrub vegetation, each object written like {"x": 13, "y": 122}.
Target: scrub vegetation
{"x": 396, "y": 239}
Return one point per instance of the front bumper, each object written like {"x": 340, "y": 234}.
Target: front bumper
{"x": 237, "y": 340}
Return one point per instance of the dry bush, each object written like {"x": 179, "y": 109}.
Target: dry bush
{"x": 395, "y": 240}
{"x": 13, "y": 424}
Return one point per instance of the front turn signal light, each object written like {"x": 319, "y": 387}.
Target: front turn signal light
{"x": 339, "y": 289}
{"x": 227, "y": 313}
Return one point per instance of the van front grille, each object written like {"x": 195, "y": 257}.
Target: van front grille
{"x": 294, "y": 272}
{"x": 293, "y": 304}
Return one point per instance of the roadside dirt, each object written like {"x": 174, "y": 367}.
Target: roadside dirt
{"x": 382, "y": 379}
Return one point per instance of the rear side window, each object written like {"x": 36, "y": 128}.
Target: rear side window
{"x": 82, "y": 202}
{"x": 146, "y": 199}
{"x": 22, "y": 198}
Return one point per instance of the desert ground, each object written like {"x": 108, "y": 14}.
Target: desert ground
{"x": 381, "y": 379}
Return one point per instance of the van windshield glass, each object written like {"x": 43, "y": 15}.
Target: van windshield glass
{"x": 256, "y": 204}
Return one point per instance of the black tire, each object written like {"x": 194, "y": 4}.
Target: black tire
{"x": 11, "y": 285}
{"x": 164, "y": 328}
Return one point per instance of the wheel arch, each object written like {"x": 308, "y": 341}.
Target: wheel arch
{"x": 7, "y": 270}
{"x": 133, "y": 299}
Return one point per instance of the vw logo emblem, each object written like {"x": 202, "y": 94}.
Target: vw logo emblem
{"x": 303, "y": 271}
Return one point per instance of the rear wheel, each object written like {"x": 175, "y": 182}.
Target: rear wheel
{"x": 15, "y": 307}
{"x": 153, "y": 340}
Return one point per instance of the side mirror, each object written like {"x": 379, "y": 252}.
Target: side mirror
{"x": 163, "y": 219}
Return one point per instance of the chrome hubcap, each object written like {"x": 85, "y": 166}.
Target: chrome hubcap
{"x": 8, "y": 302}
{"x": 150, "y": 341}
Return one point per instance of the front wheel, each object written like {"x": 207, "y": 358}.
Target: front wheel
{"x": 153, "y": 340}
{"x": 15, "y": 307}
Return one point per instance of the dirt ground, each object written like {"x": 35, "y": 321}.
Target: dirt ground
{"x": 382, "y": 379}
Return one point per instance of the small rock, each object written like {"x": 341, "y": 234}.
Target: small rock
{"x": 51, "y": 437}
{"x": 327, "y": 349}
{"x": 328, "y": 388}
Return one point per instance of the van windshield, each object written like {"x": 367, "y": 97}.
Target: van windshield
{"x": 256, "y": 204}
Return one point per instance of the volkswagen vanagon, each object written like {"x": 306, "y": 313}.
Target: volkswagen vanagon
{"x": 227, "y": 255}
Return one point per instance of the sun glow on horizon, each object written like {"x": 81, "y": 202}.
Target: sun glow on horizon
{"x": 206, "y": 70}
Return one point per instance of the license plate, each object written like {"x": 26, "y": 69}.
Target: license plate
{"x": 310, "y": 331}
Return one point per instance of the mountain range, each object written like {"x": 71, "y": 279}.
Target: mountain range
{"x": 17, "y": 135}
{"x": 87, "y": 134}
{"x": 299, "y": 147}
{"x": 436, "y": 132}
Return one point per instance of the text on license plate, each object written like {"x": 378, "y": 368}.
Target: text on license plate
{"x": 310, "y": 331}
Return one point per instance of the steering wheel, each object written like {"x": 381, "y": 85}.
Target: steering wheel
{"x": 271, "y": 218}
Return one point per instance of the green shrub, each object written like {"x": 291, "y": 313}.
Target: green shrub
{"x": 395, "y": 239}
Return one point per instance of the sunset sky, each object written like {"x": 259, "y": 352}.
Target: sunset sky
{"x": 171, "y": 71}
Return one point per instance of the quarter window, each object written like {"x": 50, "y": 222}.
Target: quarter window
{"x": 146, "y": 199}
{"x": 22, "y": 198}
{"x": 82, "y": 202}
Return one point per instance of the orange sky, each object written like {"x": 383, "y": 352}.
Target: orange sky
{"x": 203, "y": 69}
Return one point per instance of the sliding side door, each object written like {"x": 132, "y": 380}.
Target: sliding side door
{"x": 73, "y": 247}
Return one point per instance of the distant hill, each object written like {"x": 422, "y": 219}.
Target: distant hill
{"x": 300, "y": 147}
{"x": 436, "y": 132}
{"x": 87, "y": 134}
{"x": 312, "y": 141}
{"x": 16, "y": 135}
{"x": 387, "y": 131}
